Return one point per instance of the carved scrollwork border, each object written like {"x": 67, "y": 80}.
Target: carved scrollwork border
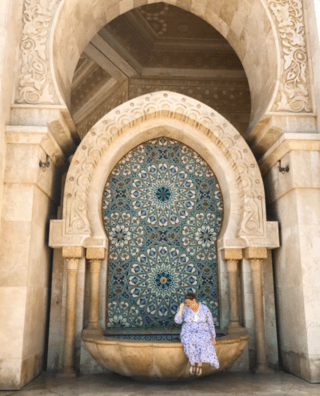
{"x": 154, "y": 106}
{"x": 35, "y": 83}
{"x": 293, "y": 95}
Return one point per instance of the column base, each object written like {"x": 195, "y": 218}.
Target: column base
{"x": 234, "y": 326}
{"x": 67, "y": 372}
{"x": 263, "y": 369}
{"x": 93, "y": 332}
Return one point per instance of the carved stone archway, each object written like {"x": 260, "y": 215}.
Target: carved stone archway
{"x": 80, "y": 21}
{"x": 248, "y": 27}
{"x": 216, "y": 141}
{"x": 269, "y": 37}
{"x": 182, "y": 118}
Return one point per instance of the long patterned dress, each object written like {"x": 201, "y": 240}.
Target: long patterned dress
{"x": 196, "y": 335}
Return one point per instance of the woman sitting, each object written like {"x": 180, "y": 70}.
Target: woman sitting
{"x": 197, "y": 333}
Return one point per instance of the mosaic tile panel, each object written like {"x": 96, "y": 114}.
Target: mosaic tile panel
{"x": 151, "y": 337}
{"x": 162, "y": 210}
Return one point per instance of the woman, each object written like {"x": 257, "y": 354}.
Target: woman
{"x": 197, "y": 333}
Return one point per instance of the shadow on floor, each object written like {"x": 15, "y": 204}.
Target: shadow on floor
{"x": 220, "y": 384}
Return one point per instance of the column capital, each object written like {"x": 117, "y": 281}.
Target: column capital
{"x": 231, "y": 254}
{"x": 73, "y": 252}
{"x": 254, "y": 252}
{"x": 95, "y": 253}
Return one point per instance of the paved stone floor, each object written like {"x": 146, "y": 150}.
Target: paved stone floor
{"x": 220, "y": 384}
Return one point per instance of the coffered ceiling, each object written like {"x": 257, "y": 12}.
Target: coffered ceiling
{"x": 155, "y": 47}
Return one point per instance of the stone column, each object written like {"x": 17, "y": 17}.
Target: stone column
{"x": 30, "y": 199}
{"x": 95, "y": 257}
{"x": 232, "y": 256}
{"x": 255, "y": 255}
{"x": 71, "y": 254}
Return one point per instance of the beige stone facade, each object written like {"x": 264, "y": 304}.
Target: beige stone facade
{"x": 82, "y": 84}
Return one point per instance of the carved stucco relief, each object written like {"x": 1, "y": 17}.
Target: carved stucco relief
{"x": 294, "y": 95}
{"x": 35, "y": 82}
{"x": 164, "y": 105}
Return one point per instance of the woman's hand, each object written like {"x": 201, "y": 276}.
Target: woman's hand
{"x": 214, "y": 340}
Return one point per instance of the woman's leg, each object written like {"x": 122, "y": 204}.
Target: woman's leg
{"x": 199, "y": 369}
{"x": 192, "y": 368}
{"x": 191, "y": 351}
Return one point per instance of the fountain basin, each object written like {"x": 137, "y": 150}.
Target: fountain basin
{"x": 159, "y": 360}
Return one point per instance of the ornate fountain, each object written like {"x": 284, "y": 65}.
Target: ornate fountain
{"x": 162, "y": 210}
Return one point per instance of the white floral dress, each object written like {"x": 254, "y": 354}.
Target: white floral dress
{"x": 196, "y": 335}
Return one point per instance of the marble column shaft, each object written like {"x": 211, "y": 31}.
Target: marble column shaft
{"x": 71, "y": 256}
{"x": 232, "y": 267}
{"x": 255, "y": 256}
{"x": 95, "y": 257}
{"x": 232, "y": 256}
{"x": 95, "y": 267}
{"x": 256, "y": 271}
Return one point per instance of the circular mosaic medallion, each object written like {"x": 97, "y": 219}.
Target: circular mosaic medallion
{"x": 163, "y": 194}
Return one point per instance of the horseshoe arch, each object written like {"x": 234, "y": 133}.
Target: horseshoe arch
{"x": 183, "y": 119}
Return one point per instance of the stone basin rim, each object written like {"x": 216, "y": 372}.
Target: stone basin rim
{"x": 159, "y": 360}
{"x": 228, "y": 339}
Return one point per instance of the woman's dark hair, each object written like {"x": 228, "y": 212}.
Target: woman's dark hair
{"x": 190, "y": 296}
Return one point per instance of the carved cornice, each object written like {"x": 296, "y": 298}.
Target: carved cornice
{"x": 39, "y": 135}
{"x": 293, "y": 95}
{"x": 288, "y": 142}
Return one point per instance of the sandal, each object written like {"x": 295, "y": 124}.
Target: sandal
{"x": 192, "y": 369}
{"x": 199, "y": 370}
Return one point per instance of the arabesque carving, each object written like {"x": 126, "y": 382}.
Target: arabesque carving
{"x": 294, "y": 94}
{"x": 34, "y": 78}
{"x": 164, "y": 105}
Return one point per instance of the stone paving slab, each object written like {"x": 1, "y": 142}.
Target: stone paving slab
{"x": 278, "y": 383}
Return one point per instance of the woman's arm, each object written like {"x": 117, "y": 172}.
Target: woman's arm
{"x": 178, "y": 318}
{"x": 210, "y": 322}
{"x": 179, "y": 315}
